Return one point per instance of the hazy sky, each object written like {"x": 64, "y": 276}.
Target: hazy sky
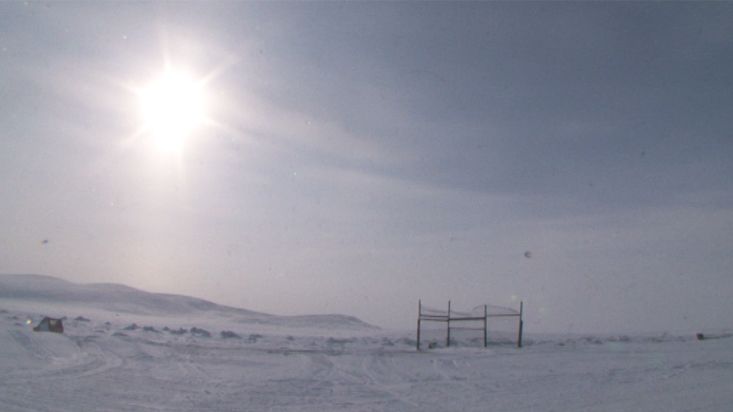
{"x": 366, "y": 155}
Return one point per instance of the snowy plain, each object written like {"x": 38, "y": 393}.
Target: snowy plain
{"x": 128, "y": 350}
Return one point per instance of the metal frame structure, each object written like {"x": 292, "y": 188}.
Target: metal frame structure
{"x": 448, "y": 318}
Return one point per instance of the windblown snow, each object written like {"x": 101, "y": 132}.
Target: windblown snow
{"x": 128, "y": 350}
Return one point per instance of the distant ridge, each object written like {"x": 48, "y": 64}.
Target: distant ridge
{"x": 121, "y": 298}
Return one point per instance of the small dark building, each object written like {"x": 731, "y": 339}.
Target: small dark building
{"x": 50, "y": 325}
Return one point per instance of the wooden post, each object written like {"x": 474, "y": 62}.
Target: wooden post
{"x": 419, "y": 316}
{"x": 486, "y": 331}
{"x": 447, "y": 340}
{"x": 521, "y": 324}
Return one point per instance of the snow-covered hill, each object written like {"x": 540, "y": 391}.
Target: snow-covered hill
{"x": 39, "y": 292}
{"x": 173, "y": 353}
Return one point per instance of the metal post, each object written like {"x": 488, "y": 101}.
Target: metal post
{"x": 486, "y": 330}
{"x": 521, "y": 324}
{"x": 447, "y": 340}
{"x": 419, "y": 316}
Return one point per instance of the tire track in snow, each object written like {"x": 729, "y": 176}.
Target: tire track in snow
{"x": 384, "y": 382}
{"x": 87, "y": 360}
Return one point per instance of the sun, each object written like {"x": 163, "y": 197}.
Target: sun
{"x": 172, "y": 107}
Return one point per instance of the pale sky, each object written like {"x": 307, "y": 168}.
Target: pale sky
{"x": 360, "y": 156}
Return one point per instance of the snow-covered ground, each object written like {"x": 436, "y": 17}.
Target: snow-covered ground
{"x": 128, "y": 350}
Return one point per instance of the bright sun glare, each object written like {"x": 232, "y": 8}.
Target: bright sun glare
{"x": 172, "y": 108}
